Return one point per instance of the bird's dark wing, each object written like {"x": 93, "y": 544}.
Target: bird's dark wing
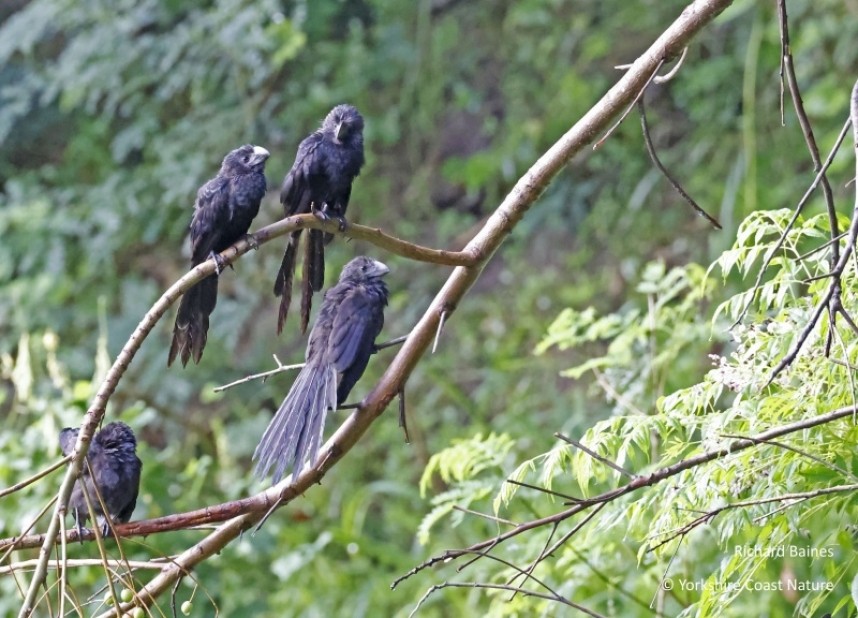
{"x": 123, "y": 514}
{"x": 108, "y": 479}
{"x": 358, "y": 321}
{"x": 208, "y": 226}
{"x": 211, "y": 217}
{"x": 296, "y": 195}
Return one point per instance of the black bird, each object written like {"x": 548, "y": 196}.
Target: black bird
{"x": 115, "y": 468}
{"x": 224, "y": 209}
{"x": 320, "y": 182}
{"x": 341, "y": 342}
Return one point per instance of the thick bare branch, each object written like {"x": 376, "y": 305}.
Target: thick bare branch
{"x": 372, "y": 235}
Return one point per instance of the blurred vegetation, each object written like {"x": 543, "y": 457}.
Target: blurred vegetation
{"x": 113, "y": 113}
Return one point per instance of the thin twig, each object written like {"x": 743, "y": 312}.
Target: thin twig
{"x": 528, "y": 573}
{"x": 793, "y": 499}
{"x": 650, "y": 148}
{"x": 83, "y": 562}
{"x": 438, "y": 332}
{"x": 792, "y": 354}
{"x": 552, "y": 594}
{"x": 663, "y": 79}
{"x": 631, "y": 106}
{"x": 596, "y": 455}
{"x": 17, "y": 542}
{"x": 389, "y": 344}
{"x": 39, "y": 475}
{"x": 612, "y": 393}
{"x": 520, "y": 571}
{"x": 550, "y": 492}
{"x": 403, "y": 420}
{"x": 549, "y": 551}
{"x": 63, "y": 567}
{"x": 798, "y": 451}
{"x": 608, "y": 581}
{"x": 498, "y": 520}
{"x": 99, "y": 540}
{"x": 263, "y": 376}
{"x": 821, "y": 247}
{"x": 484, "y": 585}
{"x": 804, "y": 122}
{"x": 660, "y": 589}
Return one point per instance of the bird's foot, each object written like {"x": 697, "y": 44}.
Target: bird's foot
{"x": 79, "y": 527}
{"x": 342, "y": 223}
{"x": 103, "y": 526}
{"x": 251, "y": 240}
{"x": 320, "y": 214}
{"x": 218, "y": 260}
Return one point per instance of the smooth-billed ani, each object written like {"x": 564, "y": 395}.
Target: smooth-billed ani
{"x": 224, "y": 209}
{"x": 114, "y": 469}
{"x": 341, "y": 342}
{"x": 320, "y": 182}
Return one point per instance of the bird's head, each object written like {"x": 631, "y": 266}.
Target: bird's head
{"x": 243, "y": 160}
{"x": 116, "y": 437}
{"x": 364, "y": 268}
{"x": 344, "y": 123}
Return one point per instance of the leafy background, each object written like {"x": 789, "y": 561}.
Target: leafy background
{"x": 597, "y": 319}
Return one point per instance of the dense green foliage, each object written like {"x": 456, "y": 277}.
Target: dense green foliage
{"x": 113, "y": 113}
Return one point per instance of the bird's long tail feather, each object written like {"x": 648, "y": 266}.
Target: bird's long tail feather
{"x": 192, "y": 322}
{"x": 283, "y": 283}
{"x": 316, "y": 253}
{"x": 295, "y": 433}
{"x": 313, "y": 274}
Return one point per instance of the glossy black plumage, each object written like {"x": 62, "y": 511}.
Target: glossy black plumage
{"x": 115, "y": 471}
{"x": 341, "y": 342}
{"x": 320, "y": 181}
{"x": 224, "y": 209}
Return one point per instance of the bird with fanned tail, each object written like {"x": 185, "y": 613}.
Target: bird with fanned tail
{"x": 340, "y": 345}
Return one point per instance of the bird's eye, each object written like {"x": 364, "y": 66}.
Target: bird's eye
{"x": 246, "y": 158}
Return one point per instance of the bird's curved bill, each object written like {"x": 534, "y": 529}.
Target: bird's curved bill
{"x": 259, "y": 155}
{"x": 379, "y": 269}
